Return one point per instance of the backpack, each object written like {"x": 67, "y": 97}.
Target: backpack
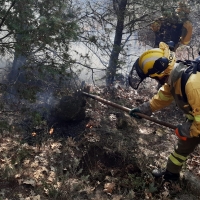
{"x": 193, "y": 68}
{"x": 169, "y": 31}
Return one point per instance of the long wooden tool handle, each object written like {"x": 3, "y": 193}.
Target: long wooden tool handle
{"x": 128, "y": 110}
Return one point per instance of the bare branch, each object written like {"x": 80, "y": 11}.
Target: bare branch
{"x": 7, "y": 13}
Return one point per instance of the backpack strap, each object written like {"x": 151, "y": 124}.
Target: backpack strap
{"x": 192, "y": 69}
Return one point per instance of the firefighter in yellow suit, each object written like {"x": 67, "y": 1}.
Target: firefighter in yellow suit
{"x": 174, "y": 27}
{"x": 161, "y": 65}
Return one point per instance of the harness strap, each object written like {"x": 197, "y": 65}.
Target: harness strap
{"x": 192, "y": 69}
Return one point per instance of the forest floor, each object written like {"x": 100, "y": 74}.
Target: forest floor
{"x": 108, "y": 156}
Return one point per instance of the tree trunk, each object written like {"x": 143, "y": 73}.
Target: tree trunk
{"x": 113, "y": 62}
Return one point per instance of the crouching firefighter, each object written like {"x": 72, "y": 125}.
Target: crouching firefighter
{"x": 182, "y": 86}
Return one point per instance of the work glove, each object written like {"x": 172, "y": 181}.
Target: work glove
{"x": 143, "y": 108}
{"x": 133, "y": 112}
{"x": 183, "y": 132}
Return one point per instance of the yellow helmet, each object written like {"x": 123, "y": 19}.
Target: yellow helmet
{"x": 147, "y": 62}
{"x": 155, "y": 63}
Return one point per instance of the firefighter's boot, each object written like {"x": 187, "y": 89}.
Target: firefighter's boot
{"x": 166, "y": 174}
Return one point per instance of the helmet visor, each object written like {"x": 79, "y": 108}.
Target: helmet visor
{"x": 136, "y": 75}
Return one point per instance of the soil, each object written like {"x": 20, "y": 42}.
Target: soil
{"x": 109, "y": 155}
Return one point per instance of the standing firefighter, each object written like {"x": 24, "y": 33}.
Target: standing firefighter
{"x": 182, "y": 84}
{"x": 173, "y": 26}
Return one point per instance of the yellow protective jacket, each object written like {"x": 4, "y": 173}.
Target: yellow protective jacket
{"x": 172, "y": 91}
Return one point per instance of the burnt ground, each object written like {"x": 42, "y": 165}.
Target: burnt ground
{"x": 109, "y": 155}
